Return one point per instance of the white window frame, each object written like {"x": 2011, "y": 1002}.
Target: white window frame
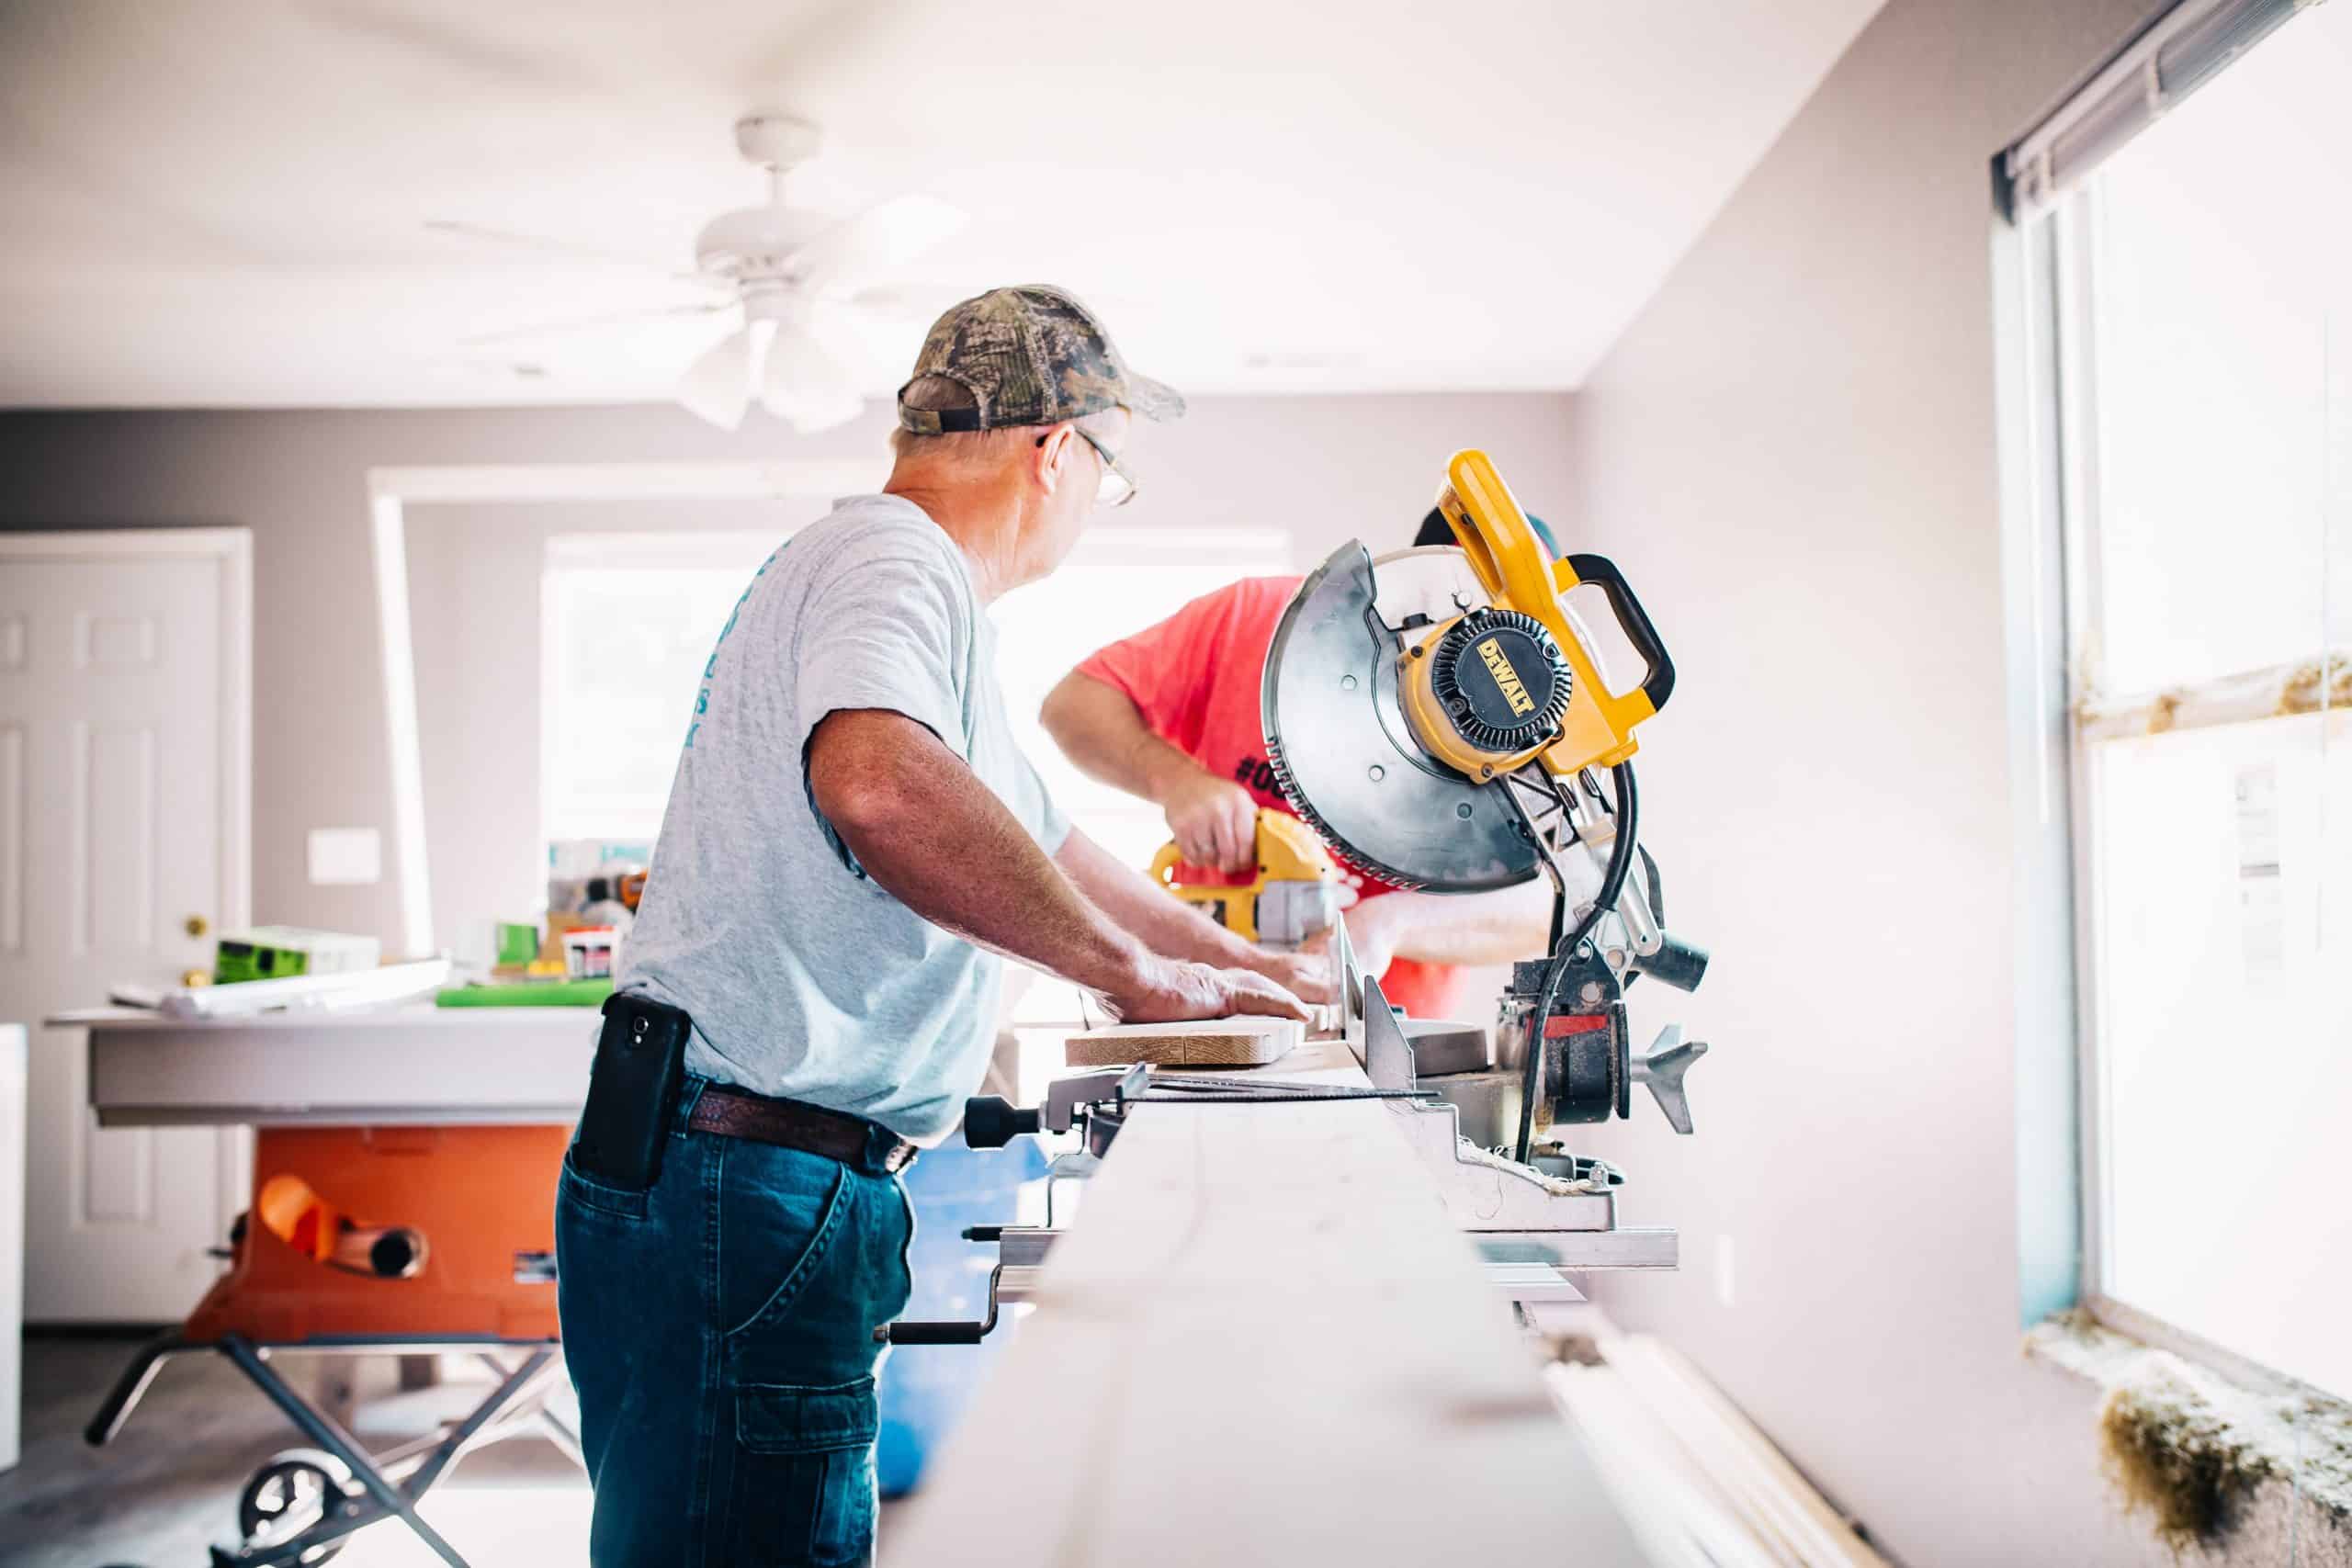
{"x": 704, "y": 549}
{"x": 392, "y": 490}
{"x": 2046, "y": 258}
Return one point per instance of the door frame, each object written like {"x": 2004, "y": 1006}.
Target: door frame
{"x": 231, "y": 549}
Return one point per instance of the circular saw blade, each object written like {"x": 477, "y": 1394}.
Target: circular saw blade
{"x": 1337, "y": 738}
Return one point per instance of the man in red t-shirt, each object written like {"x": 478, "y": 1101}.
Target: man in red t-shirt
{"x": 1171, "y": 715}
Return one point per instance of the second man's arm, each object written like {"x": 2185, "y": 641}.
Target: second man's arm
{"x": 1098, "y": 727}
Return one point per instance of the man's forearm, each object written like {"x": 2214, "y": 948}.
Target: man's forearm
{"x": 1098, "y": 728}
{"x": 1501, "y": 927}
{"x": 1162, "y": 923}
{"x": 935, "y": 837}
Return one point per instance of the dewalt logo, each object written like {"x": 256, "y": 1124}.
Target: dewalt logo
{"x": 1507, "y": 679}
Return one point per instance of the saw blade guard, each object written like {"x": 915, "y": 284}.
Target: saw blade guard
{"x": 1345, "y": 755}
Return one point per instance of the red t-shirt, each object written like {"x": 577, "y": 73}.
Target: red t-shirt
{"x": 1195, "y": 678}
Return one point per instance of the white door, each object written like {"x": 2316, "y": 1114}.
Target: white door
{"x": 122, "y": 691}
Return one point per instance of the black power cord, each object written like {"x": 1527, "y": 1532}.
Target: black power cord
{"x": 1613, "y": 886}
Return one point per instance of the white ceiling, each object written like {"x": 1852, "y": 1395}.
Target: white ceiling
{"x": 223, "y": 202}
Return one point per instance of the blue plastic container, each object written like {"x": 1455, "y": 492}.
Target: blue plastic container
{"x": 923, "y": 1388}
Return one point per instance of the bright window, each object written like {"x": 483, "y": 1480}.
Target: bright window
{"x": 629, "y": 620}
{"x": 2202, "y": 281}
{"x": 1119, "y": 580}
{"x": 627, "y": 623}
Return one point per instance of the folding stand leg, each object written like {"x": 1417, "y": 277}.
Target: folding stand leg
{"x": 553, "y": 1428}
{"x": 331, "y": 1436}
{"x": 132, "y": 1386}
{"x": 519, "y": 1384}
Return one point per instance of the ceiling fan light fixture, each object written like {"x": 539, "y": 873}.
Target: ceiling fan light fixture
{"x": 804, "y": 385}
{"x": 718, "y": 386}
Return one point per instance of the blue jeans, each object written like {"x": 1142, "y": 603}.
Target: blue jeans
{"x": 720, "y": 1330}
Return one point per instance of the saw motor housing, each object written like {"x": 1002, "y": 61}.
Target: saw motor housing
{"x": 1497, "y": 687}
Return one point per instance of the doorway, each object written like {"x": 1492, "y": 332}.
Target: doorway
{"x": 125, "y": 681}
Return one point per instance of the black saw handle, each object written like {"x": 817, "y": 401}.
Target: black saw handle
{"x": 1658, "y": 667}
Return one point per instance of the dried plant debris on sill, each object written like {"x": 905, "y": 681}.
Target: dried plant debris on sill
{"x": 2174, "y": 1455}
{"x": 2187, "y": 1446}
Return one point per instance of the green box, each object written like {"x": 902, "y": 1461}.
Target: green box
{"x": 281, "y": 952}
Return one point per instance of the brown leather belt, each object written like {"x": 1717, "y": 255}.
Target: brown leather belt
{"x": 788, "y": 1123}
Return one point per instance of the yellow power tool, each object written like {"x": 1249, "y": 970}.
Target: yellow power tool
{"x": 1294, "y": 898}
{"x": 1458, "y": 744}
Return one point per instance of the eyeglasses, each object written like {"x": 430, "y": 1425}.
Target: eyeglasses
{"x": 1117, "y": 486}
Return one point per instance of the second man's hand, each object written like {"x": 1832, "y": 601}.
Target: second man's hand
{"x": 1213, "y": 820}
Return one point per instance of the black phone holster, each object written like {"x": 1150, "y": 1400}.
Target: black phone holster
{"x": 632, "y": 1092}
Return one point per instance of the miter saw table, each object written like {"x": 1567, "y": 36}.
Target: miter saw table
{"x": 1258, "y": 1341}
{"x": 1536, "y": 1224}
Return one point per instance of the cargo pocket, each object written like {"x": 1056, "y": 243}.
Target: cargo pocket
{"x": 803, "y": 1489}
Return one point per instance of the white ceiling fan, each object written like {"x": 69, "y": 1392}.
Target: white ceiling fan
{"x": 799, "y": 281}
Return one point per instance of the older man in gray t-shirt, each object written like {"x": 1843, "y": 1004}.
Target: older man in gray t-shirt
{"x": 853, "y": 843}
{"x": 805, "y": 979}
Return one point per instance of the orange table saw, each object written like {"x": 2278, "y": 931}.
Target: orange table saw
{"x": 404, "y": 1192}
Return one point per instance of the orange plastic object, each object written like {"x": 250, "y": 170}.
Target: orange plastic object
{"x": 484, "y": 1195}
{"x": 293, "y": 1211}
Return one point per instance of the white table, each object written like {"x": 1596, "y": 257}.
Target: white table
{"x": 414, "y": 1064}
{"x": 1264, "y": 1342}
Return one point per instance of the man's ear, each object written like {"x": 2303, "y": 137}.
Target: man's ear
{"x": 1051, "y": 459}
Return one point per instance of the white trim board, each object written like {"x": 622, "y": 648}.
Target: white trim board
{"x": 391, "y": 490}
{"x": 627, "y": 481}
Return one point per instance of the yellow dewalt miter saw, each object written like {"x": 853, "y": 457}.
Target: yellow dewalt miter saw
{"x": 1294, "y": 898}
{"x": 1441, "y": 717}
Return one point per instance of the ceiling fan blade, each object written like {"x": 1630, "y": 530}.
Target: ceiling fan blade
{"x": 610, "y": 317}
{"x": 877, "y": 344}
{"x": 805, "y": 386}
{"x": 569, "y": 249}
{"x": 875, "y": 241}
{"x": 718, "y": 386}
{"x": 900, "y": 301}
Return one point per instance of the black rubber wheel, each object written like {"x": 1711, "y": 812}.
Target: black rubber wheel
{"x": 290, "y": 1494}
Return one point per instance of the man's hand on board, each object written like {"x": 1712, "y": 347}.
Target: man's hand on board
{"x": 1167, "y": 990}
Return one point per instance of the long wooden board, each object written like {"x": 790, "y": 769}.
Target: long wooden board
{"x": 1204, "y": 1043}
{"x": 1263, "y": 1344}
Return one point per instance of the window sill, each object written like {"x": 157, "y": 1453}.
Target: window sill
{"x": 2241, "y": 1473}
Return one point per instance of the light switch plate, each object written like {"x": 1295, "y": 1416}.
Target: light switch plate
{"x": 347, "y": 857}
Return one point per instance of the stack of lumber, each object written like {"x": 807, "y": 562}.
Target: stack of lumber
{"x": 1700, "y": 1486}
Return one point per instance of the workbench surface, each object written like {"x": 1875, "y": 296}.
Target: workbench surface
{"x": 1262, "y": 1342}
{"x": 380, "y": 1067}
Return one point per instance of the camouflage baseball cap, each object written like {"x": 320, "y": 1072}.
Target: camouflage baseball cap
{"x": 1029, "y": 355}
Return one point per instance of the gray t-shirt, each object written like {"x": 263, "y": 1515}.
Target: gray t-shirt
{"x": 805, "y": 979}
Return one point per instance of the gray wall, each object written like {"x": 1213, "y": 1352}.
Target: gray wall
{"x": 1324, "y": 467}
{"x": 1793, "y": 453}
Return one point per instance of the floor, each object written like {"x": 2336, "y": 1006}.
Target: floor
{"x": 167, "y": 1488}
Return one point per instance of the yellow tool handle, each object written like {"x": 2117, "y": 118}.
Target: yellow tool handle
{"x": 1164, "y": 863}
{"x": 1513, "y": 565}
